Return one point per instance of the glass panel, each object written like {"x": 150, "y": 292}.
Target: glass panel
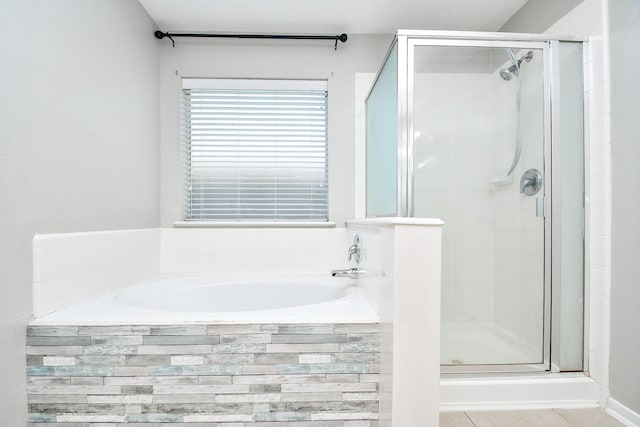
{"x": 382, "y": 136}
{"x": 478, "y": 120}
{"x": 569, "y": 155}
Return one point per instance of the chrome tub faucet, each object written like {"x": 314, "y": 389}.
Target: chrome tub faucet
{"x": 354, "y": 254}
{"x": 351, "y": 273}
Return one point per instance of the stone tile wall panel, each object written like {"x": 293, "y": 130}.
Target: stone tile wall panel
{"x": 294, "y": 375}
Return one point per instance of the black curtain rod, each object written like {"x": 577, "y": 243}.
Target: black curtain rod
{"x": 342, "y": 37}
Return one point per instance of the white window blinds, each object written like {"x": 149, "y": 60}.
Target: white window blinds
{"x": 255, "y": 150}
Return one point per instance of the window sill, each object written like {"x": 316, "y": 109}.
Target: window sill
{"x": 194, "y": 224}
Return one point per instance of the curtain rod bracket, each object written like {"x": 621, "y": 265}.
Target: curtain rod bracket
{"x": 342, "y": 37}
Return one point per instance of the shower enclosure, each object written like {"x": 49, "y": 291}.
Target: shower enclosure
{"x": 485, "y": 131}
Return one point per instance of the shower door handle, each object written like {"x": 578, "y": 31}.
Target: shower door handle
{"x": 540, "y": 207}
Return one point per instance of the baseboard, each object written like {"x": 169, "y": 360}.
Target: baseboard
{"x": 623, "y": 414}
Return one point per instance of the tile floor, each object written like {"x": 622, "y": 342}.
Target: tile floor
{"x": 590, "y": 417}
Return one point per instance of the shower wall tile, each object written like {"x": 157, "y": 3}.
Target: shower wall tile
{"x": 600, "y": 152}
{"x": 600, "y": 190}
{"x": 600, "y": 280}
{"x": 440, "y": 190}
{"x": 518, "y": 233}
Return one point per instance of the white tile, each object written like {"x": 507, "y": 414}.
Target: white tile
{"x": 599, "y": 367}
{"x": 600, "y": 249}
{"x": 595, "y": 365}
{"x": 600, "y": 155}
{"x": 598, "y": 310}
{"x": 82, "y": 266}
{"x": 599, "y": 339}
{"x": 360, "y": 205}
{"x": 253, "y": 250}
{"x": 598, "y": 53}
{"x": 600, "y": 279}
{"x": 600, "y": 190}
{"x": 600, "y": 223}
{"x": 599, "y": 98}
{"x": 360, "y": 181}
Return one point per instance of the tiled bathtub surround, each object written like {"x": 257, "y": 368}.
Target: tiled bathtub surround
{"x": 306, "y": 374}
{"x": 72, "y": 268}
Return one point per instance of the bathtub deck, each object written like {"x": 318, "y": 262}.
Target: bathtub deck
{"x": 354, "y": 307}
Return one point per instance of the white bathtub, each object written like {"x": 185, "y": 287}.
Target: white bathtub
{"x": 232, "y": 298}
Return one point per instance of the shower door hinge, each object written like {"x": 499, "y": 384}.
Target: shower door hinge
{"x": 540, "y": 211}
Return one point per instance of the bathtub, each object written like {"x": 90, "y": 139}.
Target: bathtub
{"x": 225, "y": 298}
{"x": 212, "y": 349}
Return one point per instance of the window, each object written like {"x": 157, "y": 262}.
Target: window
{"x": 255, "y": 150}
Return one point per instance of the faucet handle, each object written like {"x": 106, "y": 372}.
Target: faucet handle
{"x": 355, "y": 254}
{"x": 531, "y": 182}
{"x": 354, "y": 249}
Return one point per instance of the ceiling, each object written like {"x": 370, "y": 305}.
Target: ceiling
{"x": 329, "y": 16}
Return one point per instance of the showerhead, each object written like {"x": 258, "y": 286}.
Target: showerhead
{"x": 509, "y": 72}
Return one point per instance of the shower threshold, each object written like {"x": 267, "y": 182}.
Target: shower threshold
{"x": 503, "y": 391}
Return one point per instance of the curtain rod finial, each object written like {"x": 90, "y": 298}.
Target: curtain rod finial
{"x": 160, "y": 35}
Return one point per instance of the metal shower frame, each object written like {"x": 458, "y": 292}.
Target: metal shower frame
{"x": 406, "y": 42}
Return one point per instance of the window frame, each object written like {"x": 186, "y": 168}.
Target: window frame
{"x": 258, "y": 85}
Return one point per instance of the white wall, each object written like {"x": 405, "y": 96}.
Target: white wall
{"x": 536, "y": 15}
{"x": 79, "y": 130}
{"x": 270, "y": 59}
{"x": 624, "y": 25}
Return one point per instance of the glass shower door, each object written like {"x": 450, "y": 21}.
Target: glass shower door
{"x": 477, "y": 136}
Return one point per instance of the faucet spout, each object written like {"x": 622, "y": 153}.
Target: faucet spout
{"x": 351, "y": 273}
